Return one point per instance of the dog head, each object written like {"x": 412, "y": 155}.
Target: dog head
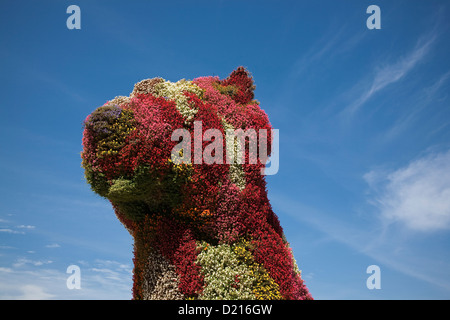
{"x": 165, "y": 149}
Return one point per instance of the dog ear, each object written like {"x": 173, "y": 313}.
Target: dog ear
{"x": 241, "y": 81}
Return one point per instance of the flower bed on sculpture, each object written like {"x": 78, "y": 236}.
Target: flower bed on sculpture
{"x": 201, "y": 231}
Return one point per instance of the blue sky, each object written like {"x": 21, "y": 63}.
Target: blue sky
{"x": 364, "y": 120}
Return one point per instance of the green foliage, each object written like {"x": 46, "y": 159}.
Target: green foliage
{"x": 229, "y": 90}
{"x": 148, "y": 191}
{"x": 97, "y": 180}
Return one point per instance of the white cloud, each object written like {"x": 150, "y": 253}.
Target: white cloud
{"x": 337, "y": 40}
{"x": 30, "y": 284}
{"x": 417, "y": 195}
{"x": 53, "y": 245}
{"x": 11, "y": 231}
{"x": 391, "y": 73}
{"x": 386, "y": 248}
{"x": 110, "y": 270}
{"x": 23, "y": 261}
{"x": 33, "y": 292}
{"x": 34, "y": 279}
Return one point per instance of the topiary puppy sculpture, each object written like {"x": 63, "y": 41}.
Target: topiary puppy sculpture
{"x": 192, "y": 196}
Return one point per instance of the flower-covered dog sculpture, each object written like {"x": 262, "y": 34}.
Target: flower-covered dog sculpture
{"x": 201, "y": 230}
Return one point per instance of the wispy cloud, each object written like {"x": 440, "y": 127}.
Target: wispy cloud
{"x": 11, "y": 231}
{"x": 34, "y": 280}
{"x": 33, "y": 292}
{"x": 433, "y": 89}
{"x": 333, "y": 43}
{"x": 426, "y": 98}
{"x": 24, "y": 261}
{"x": 22, "y": 226}
{"x": 390, "y": 73}
{"x": 53, "y": 245}
{"x": 17, "y": 229}
{"x": 417, "y": 195}
{"x": 107, "y": 270}
{"x": 368, "y": 239}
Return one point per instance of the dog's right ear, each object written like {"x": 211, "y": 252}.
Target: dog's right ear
{"x": 242, "y": 81}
